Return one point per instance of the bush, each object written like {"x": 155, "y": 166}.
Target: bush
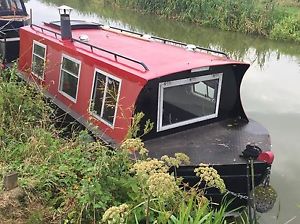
{"x": 22, "y": 109}
{"x": 86, "y": 182}
{"x": 264, "y": 18}
{"x": 287, "y": 29}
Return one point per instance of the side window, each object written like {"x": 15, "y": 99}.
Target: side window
{"x": 105, "y": 97}
{"x": 69, "y": 77}
{"x": 38, "y": 59}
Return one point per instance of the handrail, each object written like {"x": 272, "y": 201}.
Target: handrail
{"x": 92, "y": 47}
{"x": 117, "y": 55}
{"x": 43, "y": 28}
{"x": 165, "y": 41}
{"x": 2, "y": 34}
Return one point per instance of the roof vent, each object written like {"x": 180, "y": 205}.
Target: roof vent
{"x": 84, "y": 38}
{"x": 147, "y": 36}
{"x": 106, "y": 27}
{"x": 191, "y": 47}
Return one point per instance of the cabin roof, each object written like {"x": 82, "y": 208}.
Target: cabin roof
{"x": 161, "y": 59}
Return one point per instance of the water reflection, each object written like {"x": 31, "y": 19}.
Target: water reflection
{"x": 270, "y": 89}
{"x": 239, "y": 46}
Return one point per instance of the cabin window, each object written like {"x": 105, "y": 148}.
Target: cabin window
{"x": 38, "y": 59}
{"x": 69, "y": 77}
{"x": 187, "y": 101}
{"x": 11, "y": 7}
{"x": 105, "y": 97}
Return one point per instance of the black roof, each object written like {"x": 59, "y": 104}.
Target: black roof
{"x": 76, "y": 24}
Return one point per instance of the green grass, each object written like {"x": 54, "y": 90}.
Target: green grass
{"x": 247, "y": 16}
{"x": 292, "y": 3}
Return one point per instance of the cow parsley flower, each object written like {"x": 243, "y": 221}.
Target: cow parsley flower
{"x": 162, "y": 185}
{"x": 210, "y": 176}
{"x": 179, "y": 159}
{"x": 116, "y": 214}
{"x": 133, "y": 145}
{"x": 145, "y": 168}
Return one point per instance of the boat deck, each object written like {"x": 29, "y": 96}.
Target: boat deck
{"x": 218, "y": 143}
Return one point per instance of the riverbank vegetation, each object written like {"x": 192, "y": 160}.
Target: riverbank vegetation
{"x": 77, "y": 180}
{"x": 270, "y": 18}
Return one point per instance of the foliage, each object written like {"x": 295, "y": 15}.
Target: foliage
{"x": 87, "y": 182}
{"x": 211, "y": 177}
{"x": 135, "y": 128}
{"x": 248, "y": 16}
{"x": 287, "y": 29}
{"x": 194, "y": 213}
{"x": 19, "y": 113}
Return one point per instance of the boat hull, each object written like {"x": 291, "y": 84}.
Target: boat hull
{"x": 220, "y": 145}
{"x": 235, "y": 177}
{"x": 9, "y": 37}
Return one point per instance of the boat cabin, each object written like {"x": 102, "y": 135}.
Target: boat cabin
{"x": 9, "y": 8}
{"x": 104, "y": 75}
{"x": 13, "y": 15}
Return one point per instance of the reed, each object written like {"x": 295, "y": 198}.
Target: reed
{"x": 266, "y": 18}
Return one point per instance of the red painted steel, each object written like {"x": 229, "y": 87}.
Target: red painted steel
{"x": 161, "y": 59}
{"x": 267, "y": 157}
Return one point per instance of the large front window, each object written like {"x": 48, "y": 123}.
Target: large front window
{"x": 105, "y": 97}
{"x": 187, "y": 101}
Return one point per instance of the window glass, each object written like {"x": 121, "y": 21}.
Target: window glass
{"x": 10, "y": 7}
{"x": 69, "y": 77}
{"x": 99, "y": 88}
{"x": 38, "y": 66}
{"x": 38, "y": 59}
{"x": 69, "y": 84}
{"x": 105, "y": 97}
{"x": 110, "y": 100}
{"x": 188, "y": 101}
{"x": 206, "y": 89}
{"x": 70, "y": 66}
{"x": 39, "y": 50}
{"x": 18, "y": 4}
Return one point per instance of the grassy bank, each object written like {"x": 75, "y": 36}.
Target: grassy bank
{"x": 273, "y": 19}
{"x": 81, "y": 181}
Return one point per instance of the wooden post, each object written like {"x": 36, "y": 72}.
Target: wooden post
{"x": 10, "y": 181}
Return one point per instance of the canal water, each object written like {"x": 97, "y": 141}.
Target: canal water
{"x": 270, "y": 89}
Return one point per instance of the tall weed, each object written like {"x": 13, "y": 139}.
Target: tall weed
{"x": 22, "y": 109}
{"x": 287, "y": 29}
{"x": 265, "y": 18}
{"x": 84, "y": 181}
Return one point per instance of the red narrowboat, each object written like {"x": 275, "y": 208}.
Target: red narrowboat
{"x": 103, "y": 75}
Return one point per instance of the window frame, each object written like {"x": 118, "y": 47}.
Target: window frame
{"x": 74, "y": 100}
{"x": 36, "y": 55}
{"x": 180, "y": 82}
{"x": 100, "y": 117}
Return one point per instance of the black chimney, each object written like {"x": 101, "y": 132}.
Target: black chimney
{"x": 65, "y": 24}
